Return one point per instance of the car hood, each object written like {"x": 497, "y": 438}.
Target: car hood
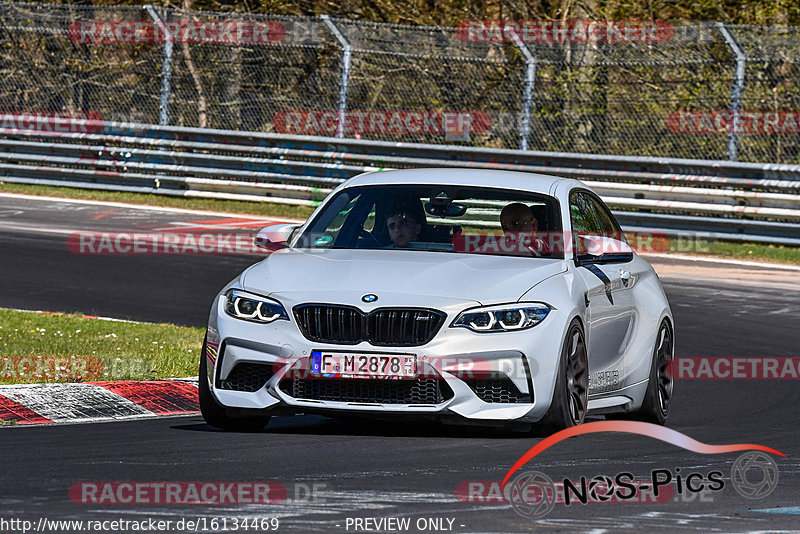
{"x": 397, "y": 277}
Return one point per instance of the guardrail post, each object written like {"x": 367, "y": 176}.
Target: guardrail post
{"x": 344, "y": 80}
{"x": 527, "y": 92}
{"x": 166, "y": 67}
{"x": 738, "y": 88}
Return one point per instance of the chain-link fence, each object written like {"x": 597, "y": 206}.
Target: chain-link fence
{"x": 705, "y": 91}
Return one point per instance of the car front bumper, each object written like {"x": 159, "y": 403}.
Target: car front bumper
{"x": 456, "y": 357}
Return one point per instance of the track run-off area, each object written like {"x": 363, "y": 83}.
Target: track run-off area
{"x": 329, "y": 472}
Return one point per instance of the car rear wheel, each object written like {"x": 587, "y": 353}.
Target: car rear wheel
{"x": 214, "y": 414}
{"x": 657, "y": 398}
{"x": 570, "y": 398}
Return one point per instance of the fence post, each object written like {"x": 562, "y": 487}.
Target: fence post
{"x": 738, "y": 87}
{"x": 344, "y": 80}
{"x": 166, "y": 67}
{"x": 527, "y": 91}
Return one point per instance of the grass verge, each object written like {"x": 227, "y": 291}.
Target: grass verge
{"x": 755, "y": 251}
{"x": 60, "y": 347}
{"x": 748, "y": 251}
{"x": 720, "y": 249}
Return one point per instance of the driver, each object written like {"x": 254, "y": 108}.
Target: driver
{"x": 403, "y": 227}
{"x": 520, "y": 224}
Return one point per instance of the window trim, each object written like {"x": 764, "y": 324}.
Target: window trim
{"x": 611, "y": 259}
{"x": 557, "y": 216}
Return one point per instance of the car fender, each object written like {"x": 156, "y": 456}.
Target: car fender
{"x": 564, "y": 293}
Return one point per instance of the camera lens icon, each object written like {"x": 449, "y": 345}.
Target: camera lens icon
{"x": 754, "y": 475}
{"x": 532, "y": 494}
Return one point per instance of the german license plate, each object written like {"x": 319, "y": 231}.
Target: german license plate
{"x": 339, "y": 364}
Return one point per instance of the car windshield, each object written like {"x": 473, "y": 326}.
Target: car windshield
{"x": 455, "y": 219}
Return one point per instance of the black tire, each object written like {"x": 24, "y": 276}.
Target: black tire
{"x": 658, "y": 397}
{"x": 570, "y": 397}
{"x": 214, "y": 414}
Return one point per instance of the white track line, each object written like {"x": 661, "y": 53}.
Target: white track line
{"x": 744, "y": 263}
{"x": 269, "y": 219}
{"x": 146, "y": 207}
{"x": 97, "y": 317}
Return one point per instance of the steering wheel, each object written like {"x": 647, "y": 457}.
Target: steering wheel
{"x": 369, "y": 237}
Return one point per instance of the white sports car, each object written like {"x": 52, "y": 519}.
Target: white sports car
{"x": 453, "y": 294}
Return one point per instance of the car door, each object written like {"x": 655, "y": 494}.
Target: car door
{"x": 610, "y": 306}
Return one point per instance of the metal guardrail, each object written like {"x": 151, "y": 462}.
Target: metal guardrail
{"x": 708, "y": 90}
{"x": 710, "y": 199}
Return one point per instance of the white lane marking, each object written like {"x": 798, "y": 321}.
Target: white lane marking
{"x": 99, "y": 318}
{"x": 101, "y": 420}
{"x": 790, "y": 510}
{"x": 190, "y": 379}
{"x": 287, "y": 219}
{"x": 181, "y": 226}
{"x": 73, "y": 402}
{"x": 177, "y": 226}
{"x": 38, "y": 229}
{"x": 745, "y": 263}
{"x": 142, "y": 207}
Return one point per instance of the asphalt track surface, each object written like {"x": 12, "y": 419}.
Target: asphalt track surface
{"x": 381, "y": 470}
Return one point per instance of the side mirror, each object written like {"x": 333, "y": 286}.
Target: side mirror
{"x": 275, "y": 237}
{"x": 601, "y": 249}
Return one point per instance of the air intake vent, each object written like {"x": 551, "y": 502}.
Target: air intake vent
{"x": 248, "y": 376}
{"x": 385, "y": 327}
{"x": 368, "y": 390}
{"x": 497, "y": 388}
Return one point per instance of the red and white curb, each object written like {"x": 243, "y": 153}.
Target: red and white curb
{"x": 90, "y": 402}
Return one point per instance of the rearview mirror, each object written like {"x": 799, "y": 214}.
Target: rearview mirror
{"x": 275, "y": 237}
{"x": 452, "y": 209}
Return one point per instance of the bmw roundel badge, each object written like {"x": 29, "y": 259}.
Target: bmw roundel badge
{"x": 369, "y": 297}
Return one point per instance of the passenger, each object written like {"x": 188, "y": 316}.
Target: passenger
{"x": 520, "y": 226}
{"x": 403, "y": 228}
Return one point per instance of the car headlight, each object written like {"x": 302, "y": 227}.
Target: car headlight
{"x": 250, "y": 307}
{"x": 505, "y": 318}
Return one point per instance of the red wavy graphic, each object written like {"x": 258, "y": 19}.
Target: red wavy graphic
{"x": 632, "y": 427}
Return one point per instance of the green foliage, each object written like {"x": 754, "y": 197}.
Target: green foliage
{"x": 57, "y": 347}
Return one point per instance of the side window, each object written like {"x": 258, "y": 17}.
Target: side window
{"x": 608, "y": 225}
{"x": 591, "y": 217}
{"x": 327, "y": 230}
{"x": 582, "y": 214}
